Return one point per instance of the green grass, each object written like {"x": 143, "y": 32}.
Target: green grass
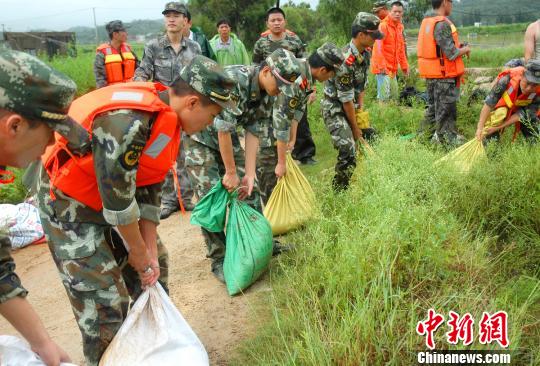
{"x": 484, "y": 30}
{"x": 406, "y": 237}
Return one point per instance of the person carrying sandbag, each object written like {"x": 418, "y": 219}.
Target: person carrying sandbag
{"x": 514, "y": 99}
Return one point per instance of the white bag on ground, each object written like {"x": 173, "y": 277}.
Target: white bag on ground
{"x": 16, "y": 352}
{"x": 22, "y": 224}
{"x": 155, "y": 333}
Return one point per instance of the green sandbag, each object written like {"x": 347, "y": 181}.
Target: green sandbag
{"x": 211, "y": 210}
{"x": 249, "y": 246}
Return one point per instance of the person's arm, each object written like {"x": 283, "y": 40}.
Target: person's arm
{"x": 99, "y": 70}
{"x": 117, "y": 144}
{"x": 19, "y": 313}
{"x": 230, "y": 180}
{"x": 258, "y": 52}
{"x": 350, "y": 113}
{"x": 145, "y": 70}
{"x": 252, "y": 146}
{"x": 345, "y": 93}
{"x": 443, "y": 38}
{"x": 530, "y": 41}
{"x": 402, "y": 54}
{"x": 292, "y": 138}
{"x": 484, "y": 115}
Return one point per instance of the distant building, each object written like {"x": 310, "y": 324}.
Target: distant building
{"x": 51, "y": 43}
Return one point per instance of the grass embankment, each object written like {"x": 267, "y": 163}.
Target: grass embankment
{"x": 407, "y": 236}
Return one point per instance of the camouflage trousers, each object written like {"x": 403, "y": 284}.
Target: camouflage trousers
{"x": 343, "y": 141}
{"x": 441, "y": 113}
{"x": 266, "y": 166}
{"x": 92, "y": 262}
{"x": 169, "y": 196}
{"x": 206, "y": 168}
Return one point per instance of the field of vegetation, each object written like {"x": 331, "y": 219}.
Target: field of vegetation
{"x": 407, "y": 236}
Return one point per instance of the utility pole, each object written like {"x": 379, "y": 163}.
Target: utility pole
{"x": 95, "y": 26}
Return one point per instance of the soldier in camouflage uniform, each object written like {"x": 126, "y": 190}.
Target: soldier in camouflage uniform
{"x": 527, "y": 116}
{"x": 33, "y": 101}
{"x": 439, "y": 122}
{"x": 87, "y": 245}
{"x": 344, "y": 93}
{"x": 277, "y": 36}
{"x": 162, "y": 61}
{"x": 216, "y": 152}
{"x": 279, "y": 134}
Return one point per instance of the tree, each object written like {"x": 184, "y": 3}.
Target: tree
{"x": 339, "y": 14}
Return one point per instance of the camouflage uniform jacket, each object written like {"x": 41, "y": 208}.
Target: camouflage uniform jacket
{"x": 255, "y": 105}
{"x": 161, "y": 63}
{"x": 265, "y": 46}
{"x": 115, "y": 136}
{"x": 286, "y": 109}
{"x": 10, "y": 284}
{"x": 350, "y": 79}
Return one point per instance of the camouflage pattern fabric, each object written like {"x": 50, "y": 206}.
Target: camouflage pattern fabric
{"x": 97, "y": 281}
{"x": 440, "y": 118}
{"x": 10, "y": 284}
{"x": 161, "y": 63}
{"x": 265, "y": 46}
{"x": 497, "y": 91}
{"x": 266, "y": 164}
{"x": 345, "y": 86}
{"x": 169, "y": 196}
{"x": 206, "y": 168}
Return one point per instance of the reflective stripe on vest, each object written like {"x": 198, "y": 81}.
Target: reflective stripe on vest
{"x": 433, "y": 64}
{"x": 119, "y": 66}
{"x": 511, "y": 97}
{"x": 75, "y": 176}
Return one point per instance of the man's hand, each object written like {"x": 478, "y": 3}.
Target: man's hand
{"x": 50, "y": 353}
{"x": 479, "y": 134}
{"x": 357, "y": 133}
{"x": 230, "y": 181}
{"x": 281, "y": 170}
{"x": 466, "y": 50}
{"x": 146, "y": 267}
{"x": 290, "y": 145}
{"x": 312, "y": 97}
{"x": 247, "y": 187}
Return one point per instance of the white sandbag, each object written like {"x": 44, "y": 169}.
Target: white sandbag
{"x": 22, "y": 224}
{"x": 155, "y": 333}
{"x": 16, "y": 352}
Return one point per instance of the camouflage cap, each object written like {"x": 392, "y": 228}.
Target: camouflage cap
{"x": 532, "y": 71}
{"x": 285, "y": 69}
{"x": 331, "y": 54}
{"x": 175, "y": 6}
{"x": 368, "y": 23}
{"x": 35, "y": 90}
{"x": 115, "y": 26}
{"x": 380, "y": 4}
{"x": 208, "y": 78}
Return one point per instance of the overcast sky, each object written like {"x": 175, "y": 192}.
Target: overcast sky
{"x": 61, "y": 14}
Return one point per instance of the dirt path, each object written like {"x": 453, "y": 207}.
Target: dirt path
{"x": 220, "y": 321}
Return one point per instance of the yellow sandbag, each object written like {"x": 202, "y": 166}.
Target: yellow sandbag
{"x": 496, "y": 118}
{"x": 362, "y": 119}
{"x": 292, "y": 201}
{"x": 465, "y": 156}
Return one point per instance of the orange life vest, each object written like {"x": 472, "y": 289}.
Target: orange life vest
{"x": 75, "y": 176}
{"x": 512, "y": 99}
{"x": 432, "y": 62}
{"x": 119, "y": 66}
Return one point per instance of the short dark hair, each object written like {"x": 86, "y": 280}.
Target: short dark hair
{"x": 436, "y": 4}
{"x": 223, "y": 21}
{"x": 188, "y": 15}
{"x": 33, "y": 123}
{"x": 181, "y": 88}
{"x": 274, "y": 10}
{"x": 315, "y": 61}
{"x": 396, "y": 3}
